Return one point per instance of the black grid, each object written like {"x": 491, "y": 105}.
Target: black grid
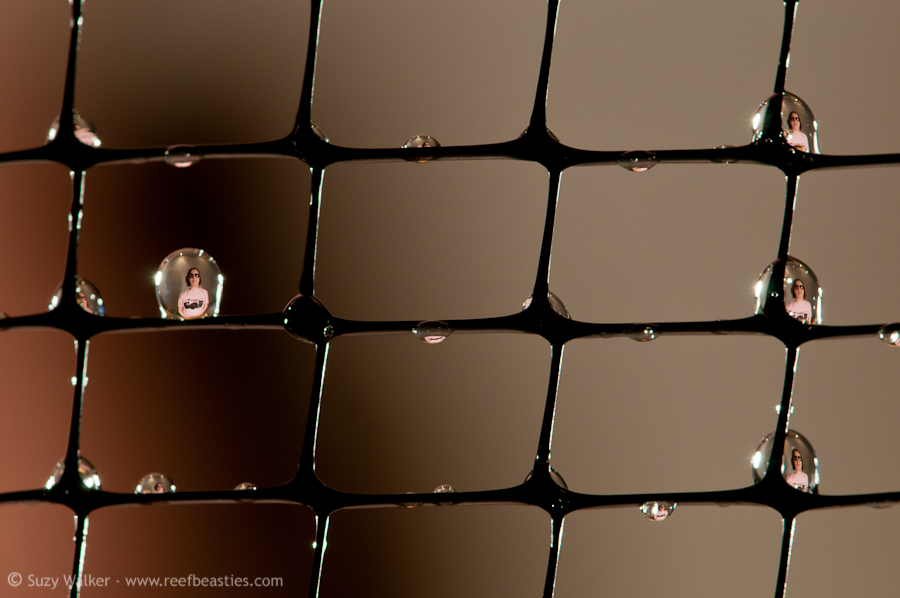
{"x": 307, "y": 319}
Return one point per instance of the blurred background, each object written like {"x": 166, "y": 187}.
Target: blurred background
{"x": 442, "y": 240}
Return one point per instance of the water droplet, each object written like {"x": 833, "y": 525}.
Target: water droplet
{"x": 86, "y": 295}
{"x": 183, "y": 296}
{"x": 555, "y": 303}
{"x": 725, "y": 160}
{"x": 794, "y": 123}
{"x": 245, "y": 486}
{"x": 658, "y": 510}
{"x": 432, "y": 332}
{"x": 549, "y": 132}
{"x": 890, "y": 334}
{"x": 318, "y": 132}
{"x": 155, "y": 483}
{"x": 422, "y": 141}
{"x": 801, "y": 473}
{"x": 884, "y": 504}
{"x": 84, "y": 130}
{"x": 86, "y": 471}
{"x": 637, "y": 161}
{"x": 444, "y": 488}
{"x": 410, "y": 505}
{"x": 643, "y": 333}
{"x": 554, "y": 475}
{"x": 181, "y": 156}
{"x": 801, "y": 292}
{"x": 306, "y": 319}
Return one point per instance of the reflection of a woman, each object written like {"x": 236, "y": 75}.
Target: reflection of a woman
{"x": 799, "y": 308}
{"x": 795, "y": 137}
{"x": 193, "y": 302}
{"x": 798, "y": 479}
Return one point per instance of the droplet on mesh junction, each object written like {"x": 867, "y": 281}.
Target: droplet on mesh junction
{"x": 422, "y": 141}
{"x": 86, "y": 295}
{"x": 84, "y": 130}
{"x": 180, "y": 293}
{"x": 801, "y": 291}
{"x": 555, "y": 303}
{"x": 638, "y": 161}
{"x": 318, "y": 132}
{"x": 658, "y": 510}
{"x": 86, "y": 471}
{"x": 444, "y": 488}
{"x": 549, "y": 132}
{"x": 642, "y": 334}
{"x": 798, "y": 126}
{"x": 181, "y": 156}
{"x": 799, "y": 467}
{"x": 155, "y": 483}
{"x": 890, "y": 334}
{"x": 306, "y": 319}
{"x": 432, "y": 332}
{"x": 554, "y": 475}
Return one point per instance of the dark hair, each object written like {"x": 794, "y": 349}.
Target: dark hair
{"x": 798, "y": 118}
{"x": 793, "y": 284}
{"x": 187, "y": 277}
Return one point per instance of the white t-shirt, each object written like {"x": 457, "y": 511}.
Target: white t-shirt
{"x": 798, "y": 138}
{"x": 192, "y": 303}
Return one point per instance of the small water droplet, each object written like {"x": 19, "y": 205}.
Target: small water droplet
{"x": 642, "y": 334}
{"x": 658, "y": 510}
{"x": 725, "y": 160}
{"x": 86, "y": 471}
{"x": 328, "y": 332}
{"x": 884, "y": 504}
{"x": 181, "y": 156}
{"x": 638, "y": 161}
{"x": 319, "y": 133}
{"x": 432, "y": 332}
{"x": 890, "y": 334}
{"x": 245, "y": 486}
{"x": 422, "y": 141}
{"x": 554, "y": 475}
{"x": 155, "y": 483}
{"x": 555, "y": 303}
{"x": 444, "y": 488}
{"x": 86, "y": 295}
{"x": 84, "y": 130}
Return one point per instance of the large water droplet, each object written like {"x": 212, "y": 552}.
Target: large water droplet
{"x": 432, "y": 332}
{"x": 638, "y": 161}
{"x": 658, "y": 510}
{"x": 189, "y": 285}
{"x": 86, "y": 471}
{"x": 801, "y": 291}
{"x": 890, "y": 334}
{"x": 181, "y": 156}
{"x": 155, "y": 483}
{"x": 642, "y": 333}
{"x": 306, "y": 319}
{"x": 86, "y": 295}
{"x": 84, "y": 130}
{"x": 555, "y": 303}
{"x": 795, "y": 123}
{"x": 799, "y": 467}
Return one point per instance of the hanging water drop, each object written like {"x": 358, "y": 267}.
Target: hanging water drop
{"x": 432, "y": 332}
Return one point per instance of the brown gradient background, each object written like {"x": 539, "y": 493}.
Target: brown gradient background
{"x": 452, "y": 240}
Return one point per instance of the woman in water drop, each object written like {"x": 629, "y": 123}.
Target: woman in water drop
{"x": 799, "y": 308}
{"x": 193, "y": 302}
{"x": 794, "y": 136}
{"x": 798, "y": 479}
